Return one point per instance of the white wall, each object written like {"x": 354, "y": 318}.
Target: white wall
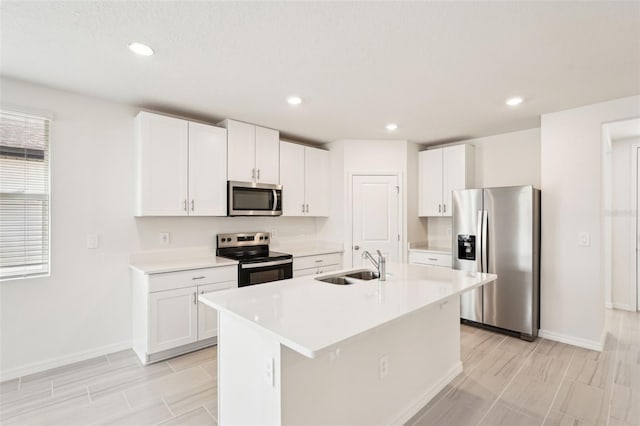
{"x": 507, "y": 159}
{"x": 572, "y": 291}
{"x": 623, "y": 225}
{"x": 83, "y": 308}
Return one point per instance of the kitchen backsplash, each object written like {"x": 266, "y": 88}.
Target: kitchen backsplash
{"x": 439, "y": 231}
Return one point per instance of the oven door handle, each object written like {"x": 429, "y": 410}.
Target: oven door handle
{"x": 265, "y": 264}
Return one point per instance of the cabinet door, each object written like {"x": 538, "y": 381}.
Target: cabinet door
{"x": 173, "y": 318}
{"x": 316, "y": 181}
{"x": 207, "y": 170}
{"x": 207, "y": 316}
{"x": 430, "y": 183}
{"x": 453, "y": 174}
{"x": 241, "y": 151}
{"x": 292, "y": 178}
{"x": 162, "y": 165}
{"x": 267, "y": 155}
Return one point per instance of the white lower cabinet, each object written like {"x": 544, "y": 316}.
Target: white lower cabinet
{"x": 430, "y": 258}
{"x": 316, "y": 264}
{"x": 168, "y": 319}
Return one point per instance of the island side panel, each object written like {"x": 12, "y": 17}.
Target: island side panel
{"x": 343, "y": 385}
{"x": 246, "y": 393}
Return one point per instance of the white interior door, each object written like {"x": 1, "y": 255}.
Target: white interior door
{"x": 375, "y": 213}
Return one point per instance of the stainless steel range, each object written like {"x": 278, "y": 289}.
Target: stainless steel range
{"x": 257, "y": 264}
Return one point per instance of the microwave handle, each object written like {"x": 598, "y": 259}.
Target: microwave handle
{"x": 275, "y": 199}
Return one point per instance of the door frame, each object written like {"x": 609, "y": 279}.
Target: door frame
{"x": 635, "y": 214}
{"x": 349, "y": 219}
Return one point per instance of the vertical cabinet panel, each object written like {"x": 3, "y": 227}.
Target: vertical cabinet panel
{"x": 161, "y": 158}
{"x": 292, "y": 178}
{"x": 172, "y": 318}
{"x": 316, "y": 181}
{"x": 241, "y": 150}
{"x": 207, "y": 170}
{"x": 267, "y": 155}
{"x": 430, "y": 183}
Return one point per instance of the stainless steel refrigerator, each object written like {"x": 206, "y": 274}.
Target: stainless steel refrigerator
{"x": 497, "y": 230}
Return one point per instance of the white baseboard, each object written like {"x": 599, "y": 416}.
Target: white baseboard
{"x": 39, "y": 366}
{"x": 417, "y": 404}
{"x": 593, "y": 345}
{"x": 608, "y": 305}
{"x": 623, "y": 307}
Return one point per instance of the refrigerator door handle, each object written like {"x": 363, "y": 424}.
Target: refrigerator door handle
{"x": 485, "y": 231}
{"x": 479, "y": 262}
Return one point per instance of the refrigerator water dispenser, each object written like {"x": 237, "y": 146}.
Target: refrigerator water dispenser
{"x": 467, "y": 247}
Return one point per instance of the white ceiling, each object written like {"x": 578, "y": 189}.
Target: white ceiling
{"x": 441, "y": 70}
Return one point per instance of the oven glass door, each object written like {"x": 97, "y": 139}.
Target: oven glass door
{"x": 251, "y": 273}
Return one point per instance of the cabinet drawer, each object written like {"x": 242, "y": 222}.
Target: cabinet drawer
{"x": 426, "y": 258}
{"x": 307, "y": 262}
{"x": 172, "y": 280}
{"x": 315, "y": 271}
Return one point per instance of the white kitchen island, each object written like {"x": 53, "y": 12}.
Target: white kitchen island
{"x": 303, "y": 352}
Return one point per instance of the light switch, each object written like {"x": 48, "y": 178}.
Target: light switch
{"x": 92, "y": 241}
{"x": 584, "y": 239}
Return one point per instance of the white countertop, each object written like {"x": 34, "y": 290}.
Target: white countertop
{"x": 171, "y": 265}
{"x": 302, "y": 248}
{"x": 310, "y": 316}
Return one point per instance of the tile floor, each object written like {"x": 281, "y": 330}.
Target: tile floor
{"x": 505, "y": 381}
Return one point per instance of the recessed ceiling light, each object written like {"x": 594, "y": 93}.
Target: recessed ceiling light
{"x": 294, "y": 100}
{"x": 391, "y": 126}
{"x": 514, "y": 101}
{"x": 140, "y": 49}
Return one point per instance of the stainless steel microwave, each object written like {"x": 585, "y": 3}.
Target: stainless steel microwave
{"x": 254, "y": 199}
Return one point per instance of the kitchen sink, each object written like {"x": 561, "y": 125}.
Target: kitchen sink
{"x": 363, "y": 275}
{"x": 350, "y": 277}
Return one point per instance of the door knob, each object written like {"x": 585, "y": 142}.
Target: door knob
{"x": 356, "y": 247}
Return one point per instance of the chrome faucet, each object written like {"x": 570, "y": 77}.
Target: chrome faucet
{"x": 380, "y": 265}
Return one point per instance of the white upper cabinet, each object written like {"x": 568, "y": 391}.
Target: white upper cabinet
{"x": 207, "y": 170}
{"x": 180, "y": 167}
{"x": 304, "y": 175}
{"x": 253, "y": 152}
{"x": 441, "y": 171}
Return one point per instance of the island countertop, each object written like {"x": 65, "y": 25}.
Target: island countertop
{"x": 309, "y": 316}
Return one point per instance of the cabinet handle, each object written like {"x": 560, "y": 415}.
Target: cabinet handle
{"x": 439, "y": 208}
{"x": 253, "y": 174}
{"x": 303, "y": 208}
{"x": 185, "y": 205}
{"x": 444, "y": 210}
{"x": 201, "y": 291}
{"x": 307, "y": 208}
{"x": 258, "y": 174}
{"x": 319, "y": 261}
{"x": 198, "y": 278}
{"x": 195, "y": 297}
{"x": 193, "y": 204}
{"x": 431, "y": 258}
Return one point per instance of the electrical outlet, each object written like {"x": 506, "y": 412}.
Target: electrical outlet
{"x": 92, "y": 241}
{"x": 268, "y": 371}
{"x": 165, "y": 238}
{"x": 383, "y": 367}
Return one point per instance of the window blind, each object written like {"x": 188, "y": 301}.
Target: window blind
{"x": 24, "y": 195}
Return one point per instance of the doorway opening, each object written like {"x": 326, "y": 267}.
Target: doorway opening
{"x": 621, "y": 221}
